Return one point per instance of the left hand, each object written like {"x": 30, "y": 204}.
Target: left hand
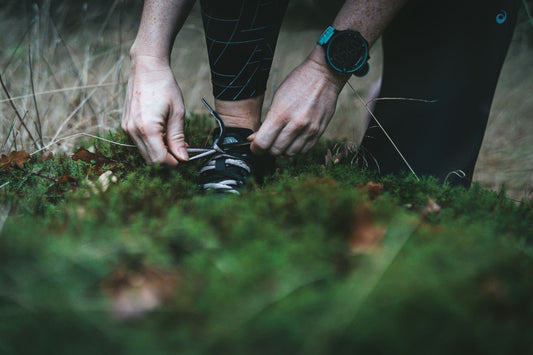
{"x": 301, "y": 109}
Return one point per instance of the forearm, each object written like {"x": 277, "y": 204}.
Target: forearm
{"x": 160, "y": 23}
{"x": 368, "y": 17}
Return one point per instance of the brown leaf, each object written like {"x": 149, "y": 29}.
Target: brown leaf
{"x": 47, "y": 155}
{"x": 17, "y": 158}
{"x": 134, "y": 293}
{"x": 364, "y": 235}
{"x": 84, "y": 155}
{"x": 373, "y": 189}
{"x": 97, "y": 159}
{"x": 67, "y": 179}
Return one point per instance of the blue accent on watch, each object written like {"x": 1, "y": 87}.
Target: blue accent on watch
{"x": 326, "y": 35}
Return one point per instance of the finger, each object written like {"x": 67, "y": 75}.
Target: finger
{"x": 156, "y": 148}
{"x": 308, "y": 145}
{"x": 290, "y": 134}
{"x": 266, "y": 135}
{"x": 141, "y": 147}
{"x": 296, "y": 147}
{"x": 175, "y": 136}
{"x": 313, "y": 139}
{"x": 159, "y": 153}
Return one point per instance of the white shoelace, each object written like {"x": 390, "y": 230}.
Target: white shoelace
{"x": 228, "y": 185}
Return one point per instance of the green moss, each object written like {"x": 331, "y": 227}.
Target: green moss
{"x": 269, "y": 271}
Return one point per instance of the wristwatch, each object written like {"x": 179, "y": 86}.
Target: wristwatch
{"x": 346, "y": 51}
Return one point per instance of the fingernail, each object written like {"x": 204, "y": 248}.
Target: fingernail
{"x": 251, "y": 137}
{"x": 182, "y": 154}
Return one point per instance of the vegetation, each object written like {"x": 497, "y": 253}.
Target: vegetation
{"x": 322, "y": 258}
{"x": 100, "y": 253}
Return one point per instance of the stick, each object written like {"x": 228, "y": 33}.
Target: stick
{"x": 17, "y": 113}
{"x": 385, "y": 132}
{"x": 55, "y": 91}
{"x": 38, "y": 125}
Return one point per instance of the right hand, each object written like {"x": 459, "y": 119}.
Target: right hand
{"x": 154, "y": 112}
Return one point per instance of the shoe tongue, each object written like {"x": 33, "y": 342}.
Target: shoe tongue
{"x": 234, "y": 135}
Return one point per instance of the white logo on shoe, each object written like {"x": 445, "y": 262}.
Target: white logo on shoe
{"x": 229, "y": 140}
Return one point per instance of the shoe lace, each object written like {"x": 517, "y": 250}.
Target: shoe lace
{"x": 227, "y": 165}
{"x": 235, "y": 169}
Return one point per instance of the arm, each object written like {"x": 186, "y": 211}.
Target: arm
{"x": 305, "y": 102}
{"x": 154, "y": 111}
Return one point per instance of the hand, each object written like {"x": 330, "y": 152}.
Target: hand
{"x": 301, "y": 109}
{"x": 154, "y": 112}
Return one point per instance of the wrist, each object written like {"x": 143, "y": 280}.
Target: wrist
{"x": 141, "y": 63}
{"x": 149, "y": 52}
{"x": 318, "y": 58}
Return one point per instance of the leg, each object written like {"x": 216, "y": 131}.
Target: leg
{"x": 241, "y": 38}
{"x": 452, "y": 52}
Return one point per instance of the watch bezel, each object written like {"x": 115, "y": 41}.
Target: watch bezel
{"x": 363, "y": 57}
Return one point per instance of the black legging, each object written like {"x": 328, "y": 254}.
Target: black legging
{"x": 452, "y": 52}
{"x": 241, "y": 37}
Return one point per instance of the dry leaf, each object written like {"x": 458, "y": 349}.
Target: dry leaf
{"x": 134, "y": 293}
{"x": 17, "y": 158}
{"x": 98, "y": 159}
{"x": 373, "y": 189}
{"x": 67, "y": 179}
{"x": 47, "y": 155}
{"x": 84, "y": 155}
{"x": 364, "y": 236}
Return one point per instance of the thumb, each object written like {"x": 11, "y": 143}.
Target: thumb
{"x": 176, "y": 137}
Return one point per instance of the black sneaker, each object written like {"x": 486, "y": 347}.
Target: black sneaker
{"x": 230, "y": 162}
{"x": 227, "y": 169}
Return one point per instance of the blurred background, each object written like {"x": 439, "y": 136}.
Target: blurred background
{"x": 64, "y": 69}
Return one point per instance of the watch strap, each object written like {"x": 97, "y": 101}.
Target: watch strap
{"x": 326, "y": 35}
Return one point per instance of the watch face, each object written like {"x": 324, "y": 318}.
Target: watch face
{"x": 347, "y": 51}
